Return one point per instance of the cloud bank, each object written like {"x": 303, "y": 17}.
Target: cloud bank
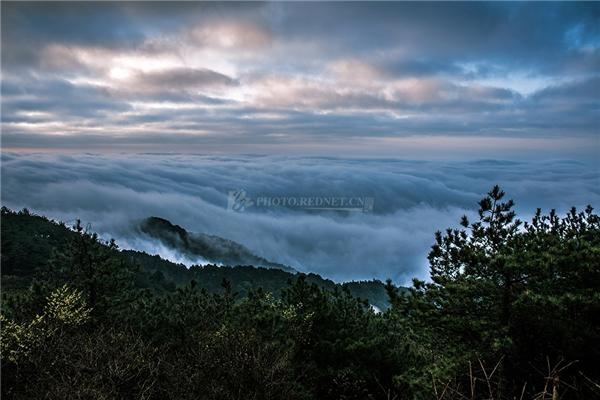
{"x": 300, "y": 77}
{"x": 413, "y": 199}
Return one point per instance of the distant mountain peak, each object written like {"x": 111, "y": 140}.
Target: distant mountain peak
{"x": 164, "y": 230}
{"x": 214, "y": 249}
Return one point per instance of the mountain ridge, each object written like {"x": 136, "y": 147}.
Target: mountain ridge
{"x": 214, "y": 249}
{"x": 28, "y": 242}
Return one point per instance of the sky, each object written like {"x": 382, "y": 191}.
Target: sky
{"x": 113, "y": 112}
{"x": 495, "y": 80}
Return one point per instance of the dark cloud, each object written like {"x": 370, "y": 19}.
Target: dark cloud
{"x": 183, "y": 78}
{"x": 58, "y": 96}
{"x": 182, "y": 85}
{"x": 583, "y": 90}
{"x": 437, "y": 34}
{"x": 500, "y": 32}
{"x": 255, "y": 73}
{"x": 27, "y": 27}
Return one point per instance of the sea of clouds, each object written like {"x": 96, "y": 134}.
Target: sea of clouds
{"x": 412, "y": 199}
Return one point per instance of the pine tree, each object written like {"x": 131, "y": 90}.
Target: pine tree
{"x": 525, "y": 294}
{"x": 93, "y": 266}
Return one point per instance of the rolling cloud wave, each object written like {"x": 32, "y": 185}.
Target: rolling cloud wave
{"x": 413, "y": 199}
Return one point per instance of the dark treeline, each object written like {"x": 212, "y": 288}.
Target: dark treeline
{"x": 511, "y": 312}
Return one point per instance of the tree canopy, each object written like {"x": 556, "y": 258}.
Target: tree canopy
{"x": 510, "y": 311}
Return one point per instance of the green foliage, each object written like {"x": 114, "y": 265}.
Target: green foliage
{"x": 525, "y": 295}
{"x": 90, "y": 265}
{"x": 17, "y": 341}
{"x": 65, "y": 309}
{"x": 32, "y": 244}
{"x": 510, "y": 312}
{"x": 27, "y": 241}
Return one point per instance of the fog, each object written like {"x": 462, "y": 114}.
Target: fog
{"x": 412, "y": 199}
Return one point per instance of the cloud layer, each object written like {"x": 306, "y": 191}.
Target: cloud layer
{"x": 413, "y": 199}
{"x": 451, "y": 82}
{"x": 299, "y": 77}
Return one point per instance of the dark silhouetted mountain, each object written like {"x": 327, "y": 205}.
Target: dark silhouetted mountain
{"x": 213, "y": 249}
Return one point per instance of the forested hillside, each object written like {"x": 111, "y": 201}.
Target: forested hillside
{"x": 30, "y": 242}
{"x": 511, "y": 312}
